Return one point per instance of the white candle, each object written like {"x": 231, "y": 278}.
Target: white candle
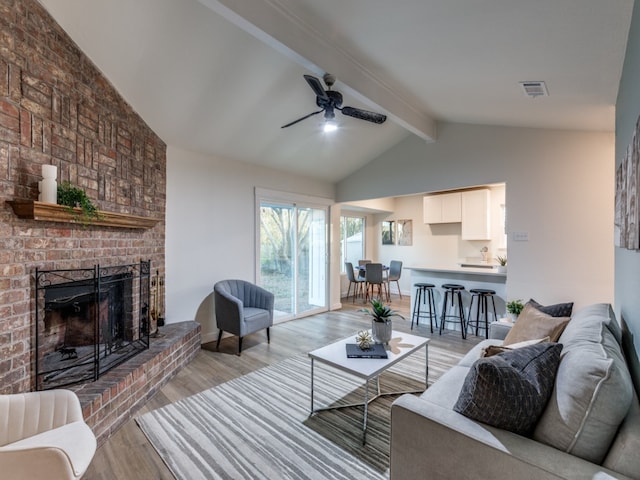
{"x": 49, "y": 171}
{"x": 48, "y": 190}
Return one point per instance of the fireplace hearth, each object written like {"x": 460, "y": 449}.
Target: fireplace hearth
{"x": 89, "y": 321}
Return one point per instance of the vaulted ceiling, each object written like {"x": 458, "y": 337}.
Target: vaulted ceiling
{"x": 222, "y": 76}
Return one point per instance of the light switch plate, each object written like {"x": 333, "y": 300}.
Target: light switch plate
{"x": 520, "y": 236}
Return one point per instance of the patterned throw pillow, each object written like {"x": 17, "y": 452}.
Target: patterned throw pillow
{"x": 557, "y": 310}
{"x": 511, "y": 389}
{"x": 491, "y": 350}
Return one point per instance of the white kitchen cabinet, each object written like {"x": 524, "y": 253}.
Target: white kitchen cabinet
{"x": 443, "y": 208}
{"x": 476, "y": 221}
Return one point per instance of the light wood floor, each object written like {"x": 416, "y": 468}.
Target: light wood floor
{"x": 128, "y": 454}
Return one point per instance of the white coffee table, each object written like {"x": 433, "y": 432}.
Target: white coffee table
{"x": 401, "y": 346}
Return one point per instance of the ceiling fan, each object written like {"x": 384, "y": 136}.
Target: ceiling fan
{"x": 330, "y": 100}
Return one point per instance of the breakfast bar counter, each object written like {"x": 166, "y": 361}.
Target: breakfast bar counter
{"x": 470, "y": 277}
{"x": 458, "y": 270}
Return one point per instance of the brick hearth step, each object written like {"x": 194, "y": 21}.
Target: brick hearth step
{"x": 111, "y": 400}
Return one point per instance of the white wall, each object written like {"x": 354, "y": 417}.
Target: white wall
{"x": 210, "y": 227}
{"x": 559, "y": 191}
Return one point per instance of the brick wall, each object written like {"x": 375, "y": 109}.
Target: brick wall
{"x": 57, "y": 108}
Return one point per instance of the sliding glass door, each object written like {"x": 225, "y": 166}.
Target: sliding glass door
{"x": 312, "y": 260}
{"x": 277, "y": 255}
{"x": 293, "y": 256}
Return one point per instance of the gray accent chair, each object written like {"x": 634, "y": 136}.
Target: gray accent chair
{"x": 242, "y": 308}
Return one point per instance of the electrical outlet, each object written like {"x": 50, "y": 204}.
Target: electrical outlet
{"x": 520, "y": 236}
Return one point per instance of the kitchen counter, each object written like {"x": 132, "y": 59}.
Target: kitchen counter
{"x": 470, "y": 277}
{"x": 459, "y": 270}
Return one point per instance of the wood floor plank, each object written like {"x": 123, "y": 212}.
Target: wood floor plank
{"x": 128, "y": 454}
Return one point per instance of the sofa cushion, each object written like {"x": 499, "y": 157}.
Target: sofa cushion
{"x": 510, "y": 390}
{"x": 593, "y": 389}
{"x": 532, "y": 324}
{"x": 603, "y": 313}
{"x": 445, "y": 391}
{"x": 623, "y": 455}
{"x": 557, "y": 310}
{"x": 476, "y": 352}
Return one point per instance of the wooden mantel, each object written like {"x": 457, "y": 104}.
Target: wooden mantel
{"x": 50, "y": 212}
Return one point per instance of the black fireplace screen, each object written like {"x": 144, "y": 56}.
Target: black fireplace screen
{"x": 88, "y": 321}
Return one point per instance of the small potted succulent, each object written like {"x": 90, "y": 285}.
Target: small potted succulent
{"x": 502, "y": 263}
{"x": 514, "y": 307}
{"x": 381, "y": 320}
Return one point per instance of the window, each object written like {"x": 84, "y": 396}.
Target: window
{"x": 351, "y": 240}
{"x": 503, "y": 219}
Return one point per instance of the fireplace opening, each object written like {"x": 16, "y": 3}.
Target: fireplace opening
{"x": 88, "y": 321}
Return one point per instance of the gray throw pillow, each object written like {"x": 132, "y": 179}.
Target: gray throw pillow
{"x": 511, "y": 389}
{"x": 557, "y": 310}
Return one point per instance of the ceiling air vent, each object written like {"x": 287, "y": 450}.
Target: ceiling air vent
{"x": 534, "y": 89}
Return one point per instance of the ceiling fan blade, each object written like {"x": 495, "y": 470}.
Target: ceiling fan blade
{"x": 316, "y": 86}
{"x": 302, "y": 118}
{"x": 364, "y": 114}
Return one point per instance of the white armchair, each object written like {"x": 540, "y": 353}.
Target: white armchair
{"x": 43, "y": 435}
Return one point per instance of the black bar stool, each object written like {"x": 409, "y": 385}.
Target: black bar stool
{"x": 424, "y": 294}
{"x": 453, "y": 291}
{"x": 482, "y": 297}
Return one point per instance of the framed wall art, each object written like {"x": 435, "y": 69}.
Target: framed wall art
{"x": 388, "y": 232}
{"x": 404, "y": 234}
{"x": 627, "y": 206}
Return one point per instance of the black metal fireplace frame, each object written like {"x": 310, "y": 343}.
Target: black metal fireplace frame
{"x": 98, "y": 281}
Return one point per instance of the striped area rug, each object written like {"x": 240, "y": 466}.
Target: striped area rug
{"x": 258, "y": 426}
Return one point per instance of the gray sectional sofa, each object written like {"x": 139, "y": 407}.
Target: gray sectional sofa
{"x": 590, "y": 427}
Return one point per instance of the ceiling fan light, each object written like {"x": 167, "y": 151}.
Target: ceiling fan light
{"x": 330, "y": 126}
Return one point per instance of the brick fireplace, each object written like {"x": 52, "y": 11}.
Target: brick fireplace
{"x": 56, "y": 108}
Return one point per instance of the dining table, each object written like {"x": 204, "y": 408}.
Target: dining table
{"x": 361, "y": 269}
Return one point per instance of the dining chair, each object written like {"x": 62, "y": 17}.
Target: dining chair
{"x": 395, "y": 271}
{"x": 373, "y": 277}
{"x": 362, "y": 263}
{"x": 357, "y": 282}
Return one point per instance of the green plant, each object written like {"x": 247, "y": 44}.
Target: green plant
{"x": 74, "y": 197}
{"x": 502, "y": 261}
{"x": 515, "y": 307}
{"x": 380, "y": 312}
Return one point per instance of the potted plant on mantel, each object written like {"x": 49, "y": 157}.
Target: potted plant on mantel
{"x": 74, "y": 197}
{"x": 381, "y": 326}
{"x": 514, "y": 307}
